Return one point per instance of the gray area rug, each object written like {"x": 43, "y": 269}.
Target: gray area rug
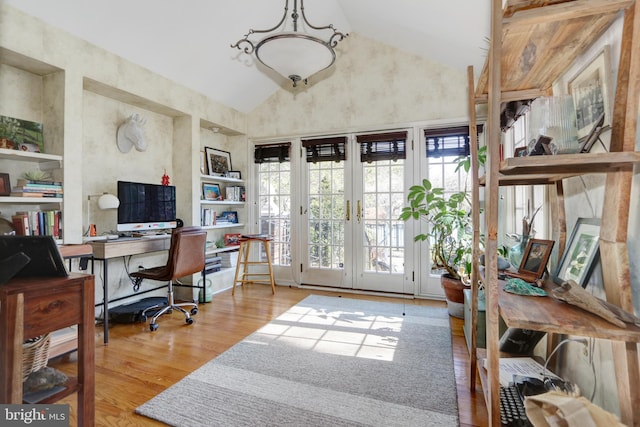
{"x": 327, "y": 361}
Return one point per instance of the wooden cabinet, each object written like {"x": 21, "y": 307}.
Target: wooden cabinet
{"x": 533, "y": 43}
{"x": 34, "y": 306}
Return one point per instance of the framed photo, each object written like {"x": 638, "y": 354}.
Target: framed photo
{"x": 581, "y": 254}
{"x": 5, "y": 184}
{"x": 536, "y": 256}
{"x": 590, "y": 89}
{"x": 234, "y": 174}
{"x": 231, "y": 216}
{"x": 520, "y": 152}
{"x": 17, "y": 134}
{"x": 211, "y": 191}
{"x": 232, "y": 239}
{"x": 218, "y": 161}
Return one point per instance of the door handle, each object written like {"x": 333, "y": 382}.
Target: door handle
{"x": 359, "y": 212}
{"x": 348, "y": 214}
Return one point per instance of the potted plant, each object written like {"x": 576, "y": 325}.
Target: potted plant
{"x": 450, "y": 232}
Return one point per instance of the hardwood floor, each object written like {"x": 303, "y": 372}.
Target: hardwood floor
{"x": 138, "y": 364}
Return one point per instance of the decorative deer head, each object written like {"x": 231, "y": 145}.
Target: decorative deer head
{"x": 131, "y": 133}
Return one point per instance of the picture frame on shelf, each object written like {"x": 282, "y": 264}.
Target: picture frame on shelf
{"x": 211, "y": 191}
{"x": 218, "y": 161}
{"x": 520, "y": 152}
{"x": 581, "y": 254}
{"x": 230, "y": 216}
{"x": 232, "y": 239}
{"x": 536, "y": 256}
{"x": 5, "y": 184}
{"x": 234, "y": 175}
{"x": 23, "y": 135}
{"x": 591, "y": 91}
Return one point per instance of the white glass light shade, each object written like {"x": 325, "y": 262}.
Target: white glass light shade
{"x": 108, "y": 201}
{"x": 295, "y": 56}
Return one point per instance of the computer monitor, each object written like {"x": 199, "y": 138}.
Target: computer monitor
{"x": 146, "y": 207}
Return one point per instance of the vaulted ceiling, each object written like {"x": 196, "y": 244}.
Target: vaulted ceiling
{"x": 189, "y": 41}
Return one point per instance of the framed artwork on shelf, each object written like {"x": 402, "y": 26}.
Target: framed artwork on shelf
{"x": 590, "y": 88}
{"x": 211, "y": 191}
{"x": 17, "y": 134}
{"x": 5, "y": 184}
{"x": 520, "y": 152}
{"x": 230, "y": 216}
{"x": 234, "y": 174}
{"x": 536, "y": 256}
{"x": 218, "y": 161}
{"x": 232, "y": 239}
{"x": 581, "y": 253}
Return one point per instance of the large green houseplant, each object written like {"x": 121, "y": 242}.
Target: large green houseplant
{"x": 450, "y": 232}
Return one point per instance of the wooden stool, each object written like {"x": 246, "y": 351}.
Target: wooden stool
{"x": 244, "y": 263}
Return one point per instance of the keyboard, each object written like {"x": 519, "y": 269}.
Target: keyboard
{"x": 512, "y": 412}
{"x": 155, "y": 236}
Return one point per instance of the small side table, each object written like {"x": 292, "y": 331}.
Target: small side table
{"x": 243, "y": 273}
{"x": 30, "y": 307}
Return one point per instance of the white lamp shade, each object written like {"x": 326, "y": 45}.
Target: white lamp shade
{"x": 108, "y": 201}
{"x": 294, "y": 54}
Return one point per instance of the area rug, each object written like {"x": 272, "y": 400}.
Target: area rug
{"x": 327, "y": 361}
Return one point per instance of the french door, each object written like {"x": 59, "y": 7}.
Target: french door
{"x": 354, "y": 191}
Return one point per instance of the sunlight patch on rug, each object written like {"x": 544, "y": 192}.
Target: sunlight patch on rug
{"x": 327, "y": 361}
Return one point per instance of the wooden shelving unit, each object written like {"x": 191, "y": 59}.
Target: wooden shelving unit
{"x": 533, "y": 44}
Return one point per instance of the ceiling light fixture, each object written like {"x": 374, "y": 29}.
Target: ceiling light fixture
{"x": 293, "y": 54}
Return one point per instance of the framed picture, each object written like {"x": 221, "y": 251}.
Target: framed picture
{"x": 581, "y": 254}
{"x": 17, "y": 134}
{"x": 231, "y": 216}
{"x": 232, "y": 239}
{"x": 5, "y": 184}
{"x": 218, "y": 161}
{"x": 590, "y": 89}
{"x": 520, "y": 152}
{"x": 211, "y": 191}
{"x": 536, "y": 256}
{"x": 234, "y": 174}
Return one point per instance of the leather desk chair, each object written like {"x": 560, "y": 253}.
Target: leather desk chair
{"x": 186, "y": 256}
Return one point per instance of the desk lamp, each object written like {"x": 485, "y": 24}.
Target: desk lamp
{"x": 106, "y": 201}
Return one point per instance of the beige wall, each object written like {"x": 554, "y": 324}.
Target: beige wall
{"x": 370, "y": 85}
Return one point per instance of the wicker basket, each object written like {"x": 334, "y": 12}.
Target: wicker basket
{"x": 35, "y": 354}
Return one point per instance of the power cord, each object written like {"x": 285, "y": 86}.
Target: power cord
{"x": 582, "y": 341}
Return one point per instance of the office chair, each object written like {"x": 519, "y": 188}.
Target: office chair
{"x": 186, "y": 256}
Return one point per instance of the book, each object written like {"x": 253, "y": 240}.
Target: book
{"x": 39, "y": 194}
{"x": 22, "y": 182}
{"x": 21, "y": 224}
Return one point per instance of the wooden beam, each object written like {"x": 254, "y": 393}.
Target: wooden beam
{"x": 516, "y": 95}
{"x": 564, "y": 12}
{"x": 475, "y": 221}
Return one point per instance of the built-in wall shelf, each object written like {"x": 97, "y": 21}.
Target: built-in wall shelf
{"x": 213, "y": 227}
{"x": 214, "y": 178}
{"x": 46, "y": 161}
{"x": 31, "y": 200}
{"x": 222, "y": 202}
{"x": 220, "y": 250}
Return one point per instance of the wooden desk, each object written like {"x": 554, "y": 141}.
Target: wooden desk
{"x": 104, "y": 250}
{"x": 35, "y": 306}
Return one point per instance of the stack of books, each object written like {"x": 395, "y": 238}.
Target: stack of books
{"x": 38, "y": 223}
{"x": 37, "y": 188}
{"x": 229, "y": 259}
{"x": 212, "y": 264}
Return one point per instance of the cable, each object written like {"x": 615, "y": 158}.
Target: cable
{"x": 582, "y": 341}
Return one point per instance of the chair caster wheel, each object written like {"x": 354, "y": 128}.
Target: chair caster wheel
{"x": 194, "y": 311}
{"x": 189, "y": 321}
{"x": 153, "y": 327}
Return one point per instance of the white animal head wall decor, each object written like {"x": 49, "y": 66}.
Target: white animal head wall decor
{"x": 131, "y": 133}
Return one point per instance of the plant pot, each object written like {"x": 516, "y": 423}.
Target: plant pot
{"x": 455, "y": 297}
